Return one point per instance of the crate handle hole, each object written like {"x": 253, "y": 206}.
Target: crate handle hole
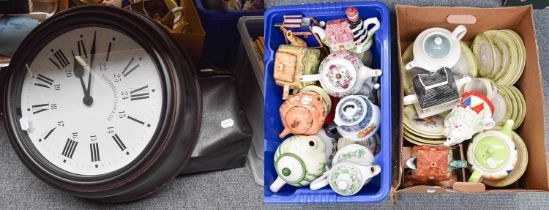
{"x": 461, "y": 19}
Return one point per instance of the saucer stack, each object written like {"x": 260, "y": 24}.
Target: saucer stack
{"x": 419, "y": 131}
{"x": 501, "y": 56}
{"x": 509, "y": 104}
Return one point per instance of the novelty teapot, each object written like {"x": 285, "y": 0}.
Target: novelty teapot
{"x": 341, "y": 73}
{"x": 349, "y": 34}
{"x": 304, "y": 113}
{"x": 471, "y": 115}
{"x": 433, "y": 163}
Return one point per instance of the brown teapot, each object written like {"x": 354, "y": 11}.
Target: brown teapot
{"x": 304, "y": 113}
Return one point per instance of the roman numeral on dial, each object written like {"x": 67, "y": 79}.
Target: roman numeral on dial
{"x": 40, "y": 108}
{"x": 94, "y": 150}
{"x": 109, "y": 51}
{"x": 136, "y": 120}
{"x": 59, "y": 59}
{"x": 82, "y": 49}
{"x": 140, "y": 93}
{"x": 119, "y": 142}
{"x": 129, "y": 68}
{"x": 47, "y": 134}
{"x": 70, "y": 146}
{"x": 43, "y": 81}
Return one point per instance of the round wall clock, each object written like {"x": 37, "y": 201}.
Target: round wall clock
{"x": 101, "y": 103}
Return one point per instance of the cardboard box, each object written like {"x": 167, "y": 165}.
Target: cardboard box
{"x": 191, "y": 39}
{"x": 412, "y": 20}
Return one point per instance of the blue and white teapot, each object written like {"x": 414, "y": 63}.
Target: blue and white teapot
{"x": 356, "y": 118}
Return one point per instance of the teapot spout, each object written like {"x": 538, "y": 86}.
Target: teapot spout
{"x": 294, "y": 40}
{"x": 508, "y": 128}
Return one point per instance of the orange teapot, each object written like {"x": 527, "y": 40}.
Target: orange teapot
{"x": 305, "y": 112}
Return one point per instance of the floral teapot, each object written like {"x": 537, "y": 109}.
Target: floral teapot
{"x": 342, "y": 73}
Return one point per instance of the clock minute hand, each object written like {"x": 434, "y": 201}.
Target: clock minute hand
{"x": 78, "y": 70}
{"x": 92, "y": 58}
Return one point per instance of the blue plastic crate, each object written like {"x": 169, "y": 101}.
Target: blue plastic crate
{"x": 379, "y": 186}
{"x": 222, "y": 37}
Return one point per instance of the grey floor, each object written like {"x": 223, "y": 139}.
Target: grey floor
{"x": 236, "y": 189}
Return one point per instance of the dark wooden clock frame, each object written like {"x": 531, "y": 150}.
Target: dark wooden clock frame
{"x": 179, "y": 125}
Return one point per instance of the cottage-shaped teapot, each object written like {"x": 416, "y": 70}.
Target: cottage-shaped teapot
{"x": 349, "y": 34}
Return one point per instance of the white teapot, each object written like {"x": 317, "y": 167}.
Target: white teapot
{"x": 435, "y": 48}
{"x": 342, "y": 73}
{"x": 298, "y": 161}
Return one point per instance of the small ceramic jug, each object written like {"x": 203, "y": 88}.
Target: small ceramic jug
{"x": 298, "y": 161}
{"x": 473, "y": 114}
{"x": 356, "y": 118}
{"x": 492, "y": 154}
{"x": 435, "y": 48}
{"x": 290, "y": 63}
{"x": 305, "y": 112}
{"x": 346, "y": 178}
{"x": 342, "y": 73}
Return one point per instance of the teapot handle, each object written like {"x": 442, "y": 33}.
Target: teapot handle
{"x": 410, "y": 99}
{"x": 371, "y": 171}
{"x": 277, "y": 184}
{"x": 310, "y": 78}
{"x": 369, "y": 21}
{"x": 320, "y": 182}
{"x": 410, "y": 65}
{"x": 331, "y": 131}
{"x": 459, "y": 32}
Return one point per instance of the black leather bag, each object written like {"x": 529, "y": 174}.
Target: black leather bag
{"x": 225, "y": 134}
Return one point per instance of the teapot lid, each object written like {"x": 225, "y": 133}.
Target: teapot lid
{"x": 437, "y": 45}
{"x": 338, "y": 74}
{"x": 351, "y": 110}
{"x": 493, "y": 151}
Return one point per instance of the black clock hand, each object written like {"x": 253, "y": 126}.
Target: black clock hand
{"x": 78, "y": 70}
{"x": 92, "y": 56}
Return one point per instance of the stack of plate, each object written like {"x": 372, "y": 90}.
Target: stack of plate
{"x": 426, "y": 131}
{"x": 509, "y": 104}
{"x": 501, "y": 56}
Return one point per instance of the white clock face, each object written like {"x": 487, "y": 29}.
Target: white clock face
{"x": 91, "y": 126}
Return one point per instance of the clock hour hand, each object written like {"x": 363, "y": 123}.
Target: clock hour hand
{"x": 79, "y": 72}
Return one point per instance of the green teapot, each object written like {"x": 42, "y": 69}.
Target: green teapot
{"x": 492, "y": 154}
